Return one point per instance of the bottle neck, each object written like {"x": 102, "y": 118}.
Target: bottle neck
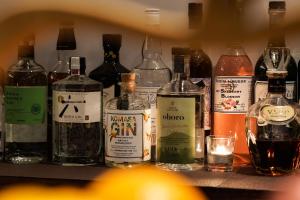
{"x": 276, "y": 86}
{"x": 75, "y": 72}
{"x": 152, "y": 48}
{"x": 111, "y": 56}
{"x": 276, "y": 30}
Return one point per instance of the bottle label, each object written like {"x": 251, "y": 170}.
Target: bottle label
{"x": 206, "y": 84}
{"x": 149, "y": 95}
{"x": 25, "y": 104}
{"x": 277, "y": 113}
{"x": 261, "y": 90}
{"x": 76, "y": 107}
{"x": 108, "y": 94}
{"x": 176, "y": 130}
{"x": 232, "y": 94}
{"x": 127, "y": 135}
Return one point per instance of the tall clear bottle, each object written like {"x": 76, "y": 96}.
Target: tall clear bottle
{"x": 276, "y": 39}
{"x": 127, "y": 127}
{"x": 109, "y": 73}
{"x": 152, "y": 73}
{"x": 77, "y": 117}
{"x": 200, "y": 64}
{"x": 180, "y": 115}
{"x": 232, "y": 98}
{"x": 65, "y": 46}
{"x": 25, "y": 93}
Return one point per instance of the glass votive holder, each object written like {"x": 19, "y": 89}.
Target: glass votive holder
{"x": 220, "y": 153}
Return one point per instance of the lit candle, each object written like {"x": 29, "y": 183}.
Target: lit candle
{"x": 221, "y": 150}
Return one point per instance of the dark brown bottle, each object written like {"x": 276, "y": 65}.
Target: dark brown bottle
{"x": 200, "y": 64}
{"x": 276, "y": 39}
{"x": 109, "y": 72}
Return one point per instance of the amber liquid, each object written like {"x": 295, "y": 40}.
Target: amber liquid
{"x": 231, "y": 123}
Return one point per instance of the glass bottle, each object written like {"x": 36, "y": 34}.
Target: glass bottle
{"x": 200, "y": 64}
{"x": 127, "y": 127}
{"x": 65, "y": 46}
{"x": 276, "y": 39}
{"x": 152, "y": 73}
{"x": 232, "y": 98}
{"x": 273, "y": 124}
{"x": 77, "y": 117}
{"x": 109, "y": 73}
{"x": 180, "y": 115}
{"x": 25, "y": 92}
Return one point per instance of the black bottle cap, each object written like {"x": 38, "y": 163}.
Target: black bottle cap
{"x": 178, "y": 58}
{"x": 112, "y": 41}
{"x": 66, "y": 37}
{"x": 82, "y": 65}
{"x": 275, "y": 5}
{"x": 26, "y": 47}
{"x": 195, "y": 12}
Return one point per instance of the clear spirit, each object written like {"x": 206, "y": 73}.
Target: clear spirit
{"x": 25, "y": 93}
{"x": 77, "y": 118}
{"x": 127, "y": 127}
{"x": 180, "y": 115}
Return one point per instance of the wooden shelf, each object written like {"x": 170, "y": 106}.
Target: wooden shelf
{"x": 243, "y": 182}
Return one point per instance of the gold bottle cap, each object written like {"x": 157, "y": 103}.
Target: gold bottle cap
{"x": 128, "y": 82}
{"x": 127, "y": 77}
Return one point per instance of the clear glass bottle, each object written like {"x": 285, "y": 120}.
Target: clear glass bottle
{"x": 232, "y": 98}
{"x": 273, "y": 124}
{"x": 77, "y": 117}
{"x": 127, "y": 127}
{"x": 65, "y": 46}
{"x": 276, "y": 39}
{"x": 109, "y": 73}
{"x": 152, "y": 73}
{"x": 25, "y": 92}
{"x": 200, "y": 64}
{"x": 180, "y": 115}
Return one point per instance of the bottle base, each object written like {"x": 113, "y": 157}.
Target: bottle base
{"x": 180, "y": 167}
{"x": 125, "y": 165}
{"x": 74, "y": 161}
{"x": 25, "y": 159}
{"x": 273, "y": 171}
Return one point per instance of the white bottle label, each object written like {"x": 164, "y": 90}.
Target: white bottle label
{"x": 206, "y": 82}
{"x": 261, "y": 90}
{"x": 232, "y": 94}
{"x": 108, "y": 93}
{"x": 149, "y": 94}
{"x": 76, "y": 107}
{"x": 127, "y": 135}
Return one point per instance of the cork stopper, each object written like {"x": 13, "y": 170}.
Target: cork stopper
{"x": 128, "y": 82}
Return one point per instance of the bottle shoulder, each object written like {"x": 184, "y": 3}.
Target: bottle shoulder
{"x": 134, "y": 103}
{"x": 77, "y": 81}
{"x": 24, "y": 65}
{"x": 180, "y": 87}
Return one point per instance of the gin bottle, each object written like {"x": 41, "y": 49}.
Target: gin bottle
{"x": 180, "y": 131}
{"x": 276, "y": 39}
{"x": 77, "y": 117}
{"x": 200, "y": 64}
{"x": 152, "y": 73}
{"x": 109, "y": 73}
{"x": 25, "y": 92}
{"x": 65, "y": 46}
{"x": 272, "y": 124}
{"x": 127, "y": 127}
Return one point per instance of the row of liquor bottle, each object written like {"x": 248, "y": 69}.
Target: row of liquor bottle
{"x": 180, "y": 114}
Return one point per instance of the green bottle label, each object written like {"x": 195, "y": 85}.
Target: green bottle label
{"x": 25, "y": 104}
{"x": 176, "y": 130}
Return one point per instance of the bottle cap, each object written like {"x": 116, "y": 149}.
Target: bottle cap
{"x": 82, "y": 65}
{"x": 128, "y": 82}
{"x": 75, "y": 62}
{"x": 112, "y": 41}
{"x": 180, "y": 51}
{"x": 26, "y": 47}
{"x": 152, "y": 16}
{"x": 178, "y": 58}
{"x": 195, "y": 12}
{"x": 277, "y": 5}
{"x": 66, "y": 37}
